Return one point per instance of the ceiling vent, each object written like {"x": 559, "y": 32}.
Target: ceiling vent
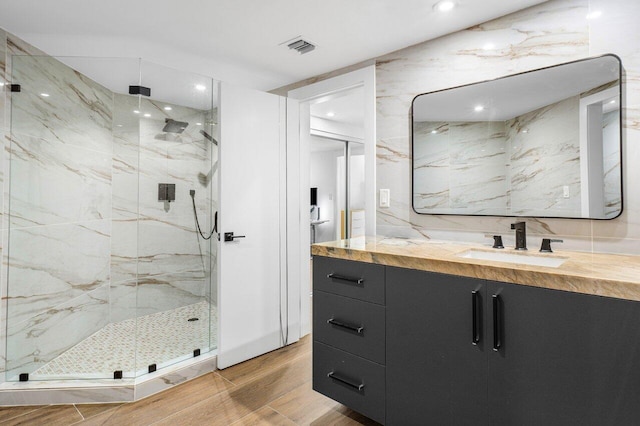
{"x": 299, "y": 45}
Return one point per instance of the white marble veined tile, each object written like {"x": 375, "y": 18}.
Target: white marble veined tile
{"x": 540, "y": 186}
{"x": 126, "y": 126}
{"x": 170, "y": 291}
{"x": 478, "y": 189}
{"x": 67, "y": 395}
{"x": 168, "y": 248}
{"x": 51, "y": 265}
{"x": 431, "y": 189}
{"x": 124, "y": 187}
{"x": 169, "y": 380}
{"x": 613, "y": 31}
{"x": 186, "y": 175}
{"x": 54, "y": 182}
{"x": 430, "y": 149}
{"x": 40, "y": 339}
{"x": 122, "y": 300}
{"x": 124, "y": 249}
{"x": 478, "y": 143}
{"x": 76, "y": 111}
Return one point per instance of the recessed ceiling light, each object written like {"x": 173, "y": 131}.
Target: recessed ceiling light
{"x": 478, "y": 108}
{"x": 1, "y": 84}
{"x": 594, "y": 15}
{"x": 198, "y": 124}
{"x": 489, "y": 46}
{"x": 612, "y": 101}
{"x": 135, "y": 111}
{"x": 201, "y": 87}
{"x": 118, "y": 125}
{"x": 147, "y": 115}
{"x": 434, "y": 132}
{"x": 44, "y": 95}
{"x": 168, "y": 108}
{"x": 525, "y": 131}
{"x": 331, "y": 114}
{"x": 444, "y": 6}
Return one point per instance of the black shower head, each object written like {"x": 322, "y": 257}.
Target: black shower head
{"x": 173, "y": 126}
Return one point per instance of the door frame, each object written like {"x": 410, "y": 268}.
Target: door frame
{"x": 366, "y": 78}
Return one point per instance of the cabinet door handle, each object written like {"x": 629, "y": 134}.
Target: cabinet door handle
{"x": 497, "y": 322}
{"x": 347, "y": 382}
{"x": 357, "y": 329}
{"x": 475, "y": 321}
{"x": 347, "y": 279}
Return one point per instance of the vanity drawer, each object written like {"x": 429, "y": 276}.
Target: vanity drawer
{"x": 359, "y": 280}
{"x": 349, "y": 324}
{"x": 353, "y": 381}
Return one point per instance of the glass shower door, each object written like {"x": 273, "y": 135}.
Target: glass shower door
{"x": 178, "y": 193}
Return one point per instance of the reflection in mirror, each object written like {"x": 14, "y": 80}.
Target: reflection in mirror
{"x": 545, "y": 143}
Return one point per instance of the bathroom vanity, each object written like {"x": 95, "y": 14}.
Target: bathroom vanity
{"x": 408, "y": 332}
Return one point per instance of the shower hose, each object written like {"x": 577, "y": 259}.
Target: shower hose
{"x": 195, "y": 213}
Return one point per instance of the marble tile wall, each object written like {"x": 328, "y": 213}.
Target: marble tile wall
{"x": 156, "y": 256}
{"x": 551, "y": 33}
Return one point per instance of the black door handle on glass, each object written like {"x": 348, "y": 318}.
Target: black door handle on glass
{"x": 497, "y": 322}
{"x": 228, "y": 236}
{"x": 475, "y": 318}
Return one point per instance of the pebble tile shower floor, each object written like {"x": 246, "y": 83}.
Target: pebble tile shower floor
{"x": 134, "y": 344}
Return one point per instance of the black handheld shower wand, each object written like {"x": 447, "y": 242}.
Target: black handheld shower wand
{"x": 192, "y": 192}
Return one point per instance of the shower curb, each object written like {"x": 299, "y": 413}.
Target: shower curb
{"x": 105, "y": 391}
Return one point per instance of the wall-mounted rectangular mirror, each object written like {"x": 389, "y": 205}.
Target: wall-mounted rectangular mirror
{"x": 545, "y": 143}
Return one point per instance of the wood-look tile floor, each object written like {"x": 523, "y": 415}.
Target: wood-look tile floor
{"x": 273, "y": 389}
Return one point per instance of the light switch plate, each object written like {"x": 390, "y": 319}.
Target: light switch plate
{"x": 385, "y": 198}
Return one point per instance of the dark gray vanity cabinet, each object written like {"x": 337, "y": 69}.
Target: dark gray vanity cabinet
{"x": 436, "y": 349}
{"x": 464, "y": 351}
{"x": 563, "y": 358}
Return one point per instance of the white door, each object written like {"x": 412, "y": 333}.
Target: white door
{"x": 252, "y": 268}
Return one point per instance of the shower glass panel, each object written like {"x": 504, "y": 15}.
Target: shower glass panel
{"x": 64, "y": 250}
{"x": 104, "y": 279}
{"x": 178, "y": 182}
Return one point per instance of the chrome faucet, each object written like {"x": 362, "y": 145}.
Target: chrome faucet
{"x": 521, "y": 235}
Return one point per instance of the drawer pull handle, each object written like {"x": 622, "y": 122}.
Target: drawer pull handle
{"x": 347, "y": 279}
{"x": 333, "y": 376}
{"x": 358, "y": 330}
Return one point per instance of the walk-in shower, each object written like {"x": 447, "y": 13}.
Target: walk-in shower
{"x": 103, "y": 280}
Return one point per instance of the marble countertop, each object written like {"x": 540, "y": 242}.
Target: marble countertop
{"x": 610, "y": 275}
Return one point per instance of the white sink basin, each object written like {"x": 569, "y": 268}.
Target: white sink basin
{"x": 521, "y": 258}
